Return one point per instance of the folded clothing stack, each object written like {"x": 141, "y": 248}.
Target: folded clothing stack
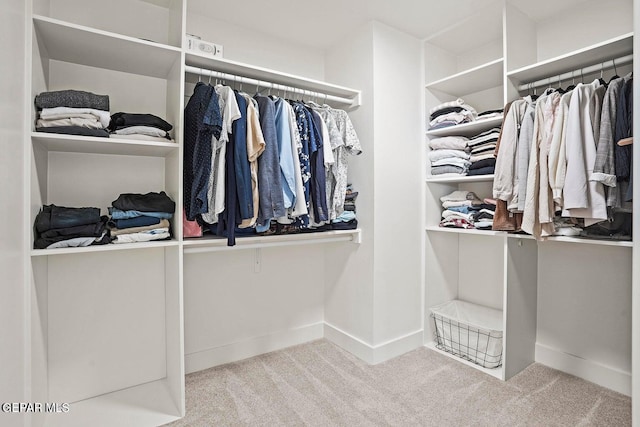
{"x": 73, "y": 112}
{"x": 451, "y": 114}
{"x": 463, "y": 209}
{"x": 140, "y": 126}
{"x": 141, "y": 217}
{"x": 347, "y": 219}
{"x": 62, "y": 227}
{"x": 490, "y": 114}
{"x": 449, "y": 155}
{"x": 483, "y": 146}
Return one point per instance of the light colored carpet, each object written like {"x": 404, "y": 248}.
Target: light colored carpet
{"x": 319, "y": 384}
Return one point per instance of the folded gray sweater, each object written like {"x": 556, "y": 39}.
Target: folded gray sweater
{"x": 72, "y": 99}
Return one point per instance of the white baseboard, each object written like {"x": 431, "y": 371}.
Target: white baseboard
{"x": 252, "y": 347}
{"x": 373, "y": 354}
{"x": 603, "y": 375}
{"x": 348, "y": 342}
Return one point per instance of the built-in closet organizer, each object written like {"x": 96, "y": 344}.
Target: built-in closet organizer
{"x": 565, "y": 301}
{"x": 266, "y": 292}
{"x": 106, "y": 321}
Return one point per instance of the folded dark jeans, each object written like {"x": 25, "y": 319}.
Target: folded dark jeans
{"x": 55, "y": 217}
{"x": 72, "y": 99}
{"x": 140, "y": 221}
{"x": 488, "y": 170}
{"x": 93, "y": 229}
{"x": 150, "y": 202}
{"x": 123, "y": 120}
{"x": 58, "y": 235}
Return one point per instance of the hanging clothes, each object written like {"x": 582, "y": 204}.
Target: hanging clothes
{"x": 582, "y": 198}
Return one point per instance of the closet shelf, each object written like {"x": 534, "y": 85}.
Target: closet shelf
{"x": 467, "y": 129}
{"x": 470, "y": 81}
{"x": 95, "y": 145}
{"x": 215, "y": 244}
{"x": 587, "y": 241}
{"x": 496, "y": 373}
{"x": 78, "y": 44}
{"x": 273, "y": 76}
{"x": 469, "y": 231}
{"x": 104, "y": 248}
{"x": 457, "y": 180}
{"x": 552, "y": 239}
{"x": 594, "y": 54}
{"x": 112, "y": 408}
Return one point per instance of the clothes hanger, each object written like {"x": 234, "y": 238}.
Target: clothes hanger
{"x": 601, "y": 80}
{"x": 573, "y": 82}
{"x": 615, "y": 70}
{"x": 560, "y": 90}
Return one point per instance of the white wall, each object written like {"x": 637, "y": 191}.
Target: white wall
{"x": 585, "y": 312}
{"x": 552, "y": 33}
{"x": 231, "y": 305}
{"x": 349, "y": 281}
{"x": 253, "y": 47}
{"x": 376, "y": 297}
{"x": 12, "y": 226}
{"x": 398, "y": 172}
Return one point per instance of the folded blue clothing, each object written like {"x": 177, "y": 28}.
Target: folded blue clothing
{"x": 120, "y": 214}
{"x": 345, "y": 216}
{"x": 139, "y": 221}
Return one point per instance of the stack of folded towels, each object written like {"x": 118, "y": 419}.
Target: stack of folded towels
{"x": 73, "y": 112}
{"x": 464, "y": 209}
{"x": 141, "y": 217}
{"x": 449, "y": 155}
{"x": 483, "y": 146}
{"x": 62, "y": 227}
{"x": 140, "y": 126}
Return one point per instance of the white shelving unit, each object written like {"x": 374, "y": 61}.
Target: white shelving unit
{"x": 473, "y": 80}
{"x": 514, "y": 266}
{"x": 112, "y": 369}
{"x": 581, "y": 58}
{"x": 207, "y": 244}
{"x": 436, "y": 179}
{"x": 107, "y": 322}
{"x": 264, "y": 74}
{"x": 94, "y": 145}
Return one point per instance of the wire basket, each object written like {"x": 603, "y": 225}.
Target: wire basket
{"x": 479, "y": 345}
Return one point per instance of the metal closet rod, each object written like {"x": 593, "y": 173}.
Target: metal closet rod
{"x": 612, "y": 63}
{"x": 268, "y": 85}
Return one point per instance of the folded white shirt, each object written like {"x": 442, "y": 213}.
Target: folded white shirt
{"x": 449, "y": 142}
{"x": 458, "y": 117}
{"x": 435, "y": 155}
{"x": 455, "y": 161}
{"x": 141, "y": 130}
{"x": 92, "y": 123}
{"x": 448, "y": 215}
{"x": 477, "y": 157}
{"x": 68, "y": 112}
{"x": 144, "y": 236}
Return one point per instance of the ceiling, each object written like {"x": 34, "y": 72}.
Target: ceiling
{"x": 323, "y": 23}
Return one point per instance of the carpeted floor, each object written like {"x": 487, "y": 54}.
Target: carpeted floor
{"x": 319, "y": 384}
